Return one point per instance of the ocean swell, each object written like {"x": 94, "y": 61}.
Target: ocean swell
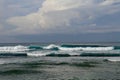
{"x": 60, "y": 50}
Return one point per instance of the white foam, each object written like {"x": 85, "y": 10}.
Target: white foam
{"x": 115, "y": 59}
{"x": 18, "y": 48}
{"x": 88, "y": 48}
{"x": 79, "y": 48}
{"x": 37, "y": 53}
{"x": 72, "y": 53}
{"x": 51, "y": 46}
{"x": 42, "y": 53}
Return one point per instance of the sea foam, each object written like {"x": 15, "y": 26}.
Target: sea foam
{"x": 57, "y": 47}
{"x": 18, "y": 48}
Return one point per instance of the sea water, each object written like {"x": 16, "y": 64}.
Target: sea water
{"x": 82, "y": 61}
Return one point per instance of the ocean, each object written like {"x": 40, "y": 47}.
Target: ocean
{"x": 63, "y": 61}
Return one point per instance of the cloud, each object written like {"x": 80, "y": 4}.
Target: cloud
{"x": 1, "y": 8}
{"x": 2, "y": 30}
{"x": 1, "y": 26}
{"x": 66, "y": 16}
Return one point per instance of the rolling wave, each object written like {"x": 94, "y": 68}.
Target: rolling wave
{"x": 76, "y": 47}
{"x": 18, "y": 48}
{"x": 74, "y": 53}
{"x": 60, "y": 50}
{"x": 73, "y": 47}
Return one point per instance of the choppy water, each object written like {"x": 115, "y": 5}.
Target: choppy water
{"x": 59, "y": 62}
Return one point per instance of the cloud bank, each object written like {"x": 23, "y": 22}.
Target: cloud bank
{"x": 69, "y": 16}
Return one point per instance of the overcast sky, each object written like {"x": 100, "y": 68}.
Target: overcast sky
{"x": 59, "y": 20}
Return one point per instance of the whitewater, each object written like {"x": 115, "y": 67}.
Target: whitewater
{"x": 64, "y": 50}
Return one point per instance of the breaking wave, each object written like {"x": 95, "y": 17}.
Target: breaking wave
{"x": 60, "y": 50}
{"x": 78, "y": 47}
{"x": 72, "y": 47}
{"x": 18, "y": 48}
{"x": 116, "y": 59}
{"x": 53, "y": 50}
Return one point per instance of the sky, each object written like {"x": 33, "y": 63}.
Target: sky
{"x": 59, "y": 21}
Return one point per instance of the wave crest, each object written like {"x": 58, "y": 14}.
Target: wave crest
{"x": 78, "y": 47}
{"x": 18, "y": 48}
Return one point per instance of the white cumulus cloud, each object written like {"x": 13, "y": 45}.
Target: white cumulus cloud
{"x": 64, "y": 16}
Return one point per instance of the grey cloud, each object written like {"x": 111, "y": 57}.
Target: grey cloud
{"x": 66, "y": 16}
